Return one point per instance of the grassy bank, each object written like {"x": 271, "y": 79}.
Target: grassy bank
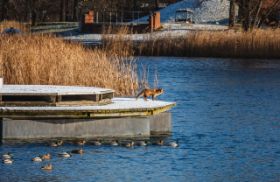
{"x": 256, "y": 44}
{"x": 38, "y": 59}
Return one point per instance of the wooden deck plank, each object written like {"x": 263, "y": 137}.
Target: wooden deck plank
{"x": 49, "y": 95}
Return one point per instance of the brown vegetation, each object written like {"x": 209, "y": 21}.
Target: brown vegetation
{"x": 37, "y": 59}
{"x": 255, "y": 44}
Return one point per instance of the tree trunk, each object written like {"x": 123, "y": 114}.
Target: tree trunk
{"x": 67, "y": 10}
{"x": 62, "y": 10}
{"x": 246, "y": 13}
{"x": 34, "y": 18}
{"x": 256, "y": 18}
{"x": 4, "y": 10}
{"x": 34, "y": 15}
{"x": 28, "y": 10}
{"x": 74, "y": 11}
{"x": 156, "y": 4}
{"x": 232, "y": 10}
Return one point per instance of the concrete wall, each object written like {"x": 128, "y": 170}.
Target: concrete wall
{"x": 62, "y": 128}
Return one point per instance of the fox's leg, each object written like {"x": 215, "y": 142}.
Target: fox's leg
{"x": 145, "y": 97}
{"x": 153, "y": 97}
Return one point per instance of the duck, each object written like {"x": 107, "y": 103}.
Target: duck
{"x": 160, "y": 142}
{"x": 114, "y": 143}
{"x": 53, "y": 144}
{"x": 37, "y": 159}
{"x": 46, "y": 156}
{"x": 78, "y": 151}
{"x": 142, "y": 143}
{"x": 97, "y": 143}
{"x": 7, "y": 161}
{"x": 81, "y": 142}
{"x": 47, "y": 167}
{"x": 7, "y": 156}
{"x": 64, "y": 154}
{"x": 174, "y": 144}
{"x": 129, "y": 144}
{"x": 57, "y": 143}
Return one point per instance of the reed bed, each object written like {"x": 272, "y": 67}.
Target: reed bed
{"x": 118, "y": 42}
{"x": 255, "y": 44}
{"x": 44, "y": 59}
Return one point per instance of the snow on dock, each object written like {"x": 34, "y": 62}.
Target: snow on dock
{"x": 45, "y": 101}
{"x": 51, "y": 89}
{"x": 120, "y": 107}
{"x": 50, "y": 95}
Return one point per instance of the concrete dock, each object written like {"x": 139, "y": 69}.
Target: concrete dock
{"x": 120, "y": 117}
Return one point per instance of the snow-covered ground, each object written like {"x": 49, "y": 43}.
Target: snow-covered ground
{"x": 209, "y": 11}
{"x": 169, "y": 30}
{"x": 168, "y": 14}
{"x": 212, "y": 11}
{"x": 208, "y": 15}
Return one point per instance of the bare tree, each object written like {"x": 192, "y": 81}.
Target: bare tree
{"x": 4, "y": 9}
{"x": 232, "y": 11}
{"x": 62, "y": 10}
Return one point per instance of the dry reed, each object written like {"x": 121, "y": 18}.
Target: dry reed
{"x": 255, "y": 44}
{"x": 117, "y": 42}
{"x": 38, "y": 59}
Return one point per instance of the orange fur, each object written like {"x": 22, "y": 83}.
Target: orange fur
{"x": 150, "y": 92}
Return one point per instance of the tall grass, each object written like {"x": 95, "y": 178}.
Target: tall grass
{"x": 255, "y": 44}
{"x": 117, "y": 42}
{"x": 38, "y": 59}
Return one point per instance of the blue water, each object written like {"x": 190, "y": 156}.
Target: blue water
{"x": 227, "y": 121}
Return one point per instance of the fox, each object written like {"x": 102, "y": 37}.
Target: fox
{"x": 150, "y": 92}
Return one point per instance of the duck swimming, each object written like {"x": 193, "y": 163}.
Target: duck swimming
{"x": 81, "y": 142}
{"x": 78, "y": 151}
{"x": 97, "y": 143}
{"x": 142, "y": 143}
{"x": 64, "y": 154}
{"x": 53, "y": 144}
{"x": 7, "y": 161}
{"x": 129, "y": 144}
{"x": 46, "y": 156}
{"x": 173, "y": 144}
{"x": 160, "y": 142}
{"x": 114, "y": 143}
{"x": 7, "y": 156}
{"x": 47, "y": 167}
{"x": 37, "y": 159}
{"x": 57, "y": 143}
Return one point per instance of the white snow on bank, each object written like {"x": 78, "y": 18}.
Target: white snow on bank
{"x": 168, "y": 14}
{"x": 212, "y": 11}
{"x": 209, "y": 11}
{"x": 209, "y": 15}
{"x": 118, "y": 104}
{"x": 51, "y": 89}
{"x": 169, "y": 30}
